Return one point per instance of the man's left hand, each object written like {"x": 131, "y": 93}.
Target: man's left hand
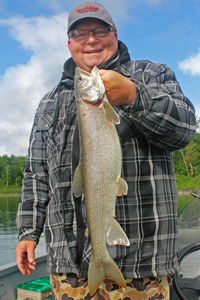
{"x": 119, "y": 89}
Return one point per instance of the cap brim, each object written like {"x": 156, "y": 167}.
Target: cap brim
{"x": 84, "y": 18}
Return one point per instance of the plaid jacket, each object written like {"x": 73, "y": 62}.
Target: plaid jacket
{"x": 160, "y": 121}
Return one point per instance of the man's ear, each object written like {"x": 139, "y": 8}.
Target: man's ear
{"x": 69, "y": 44}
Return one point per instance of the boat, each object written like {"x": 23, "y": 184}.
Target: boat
{"x": 11, "y": 277}
{"x": 185, "y": 286}
{"x": 186, "y": 283}
{"x": 196, "y": 193}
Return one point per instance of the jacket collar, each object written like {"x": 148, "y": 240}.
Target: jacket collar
{"x": 67, "y": 80}
{"x": 120, "y": 57}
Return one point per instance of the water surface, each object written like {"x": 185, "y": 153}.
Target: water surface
{"x": 9, "y": 231}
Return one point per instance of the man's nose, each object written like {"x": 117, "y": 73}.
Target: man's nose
{"x": 91, "y": 37}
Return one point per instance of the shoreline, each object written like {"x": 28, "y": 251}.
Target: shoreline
{"x": 187, "y": 192}
{"x": 182, "y": 192}
{"x": 10, "y": 195}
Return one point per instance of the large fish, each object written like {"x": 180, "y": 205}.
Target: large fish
{"x": 98, "y": 175}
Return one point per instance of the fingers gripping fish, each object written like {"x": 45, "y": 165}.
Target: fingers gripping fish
{"x": 98, "y": 175}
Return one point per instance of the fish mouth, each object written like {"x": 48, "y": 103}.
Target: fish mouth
{"x": 97, "y": 102}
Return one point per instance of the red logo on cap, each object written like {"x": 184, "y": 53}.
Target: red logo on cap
{"x": 87, "y": 8}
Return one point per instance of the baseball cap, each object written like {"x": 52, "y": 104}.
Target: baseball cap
{"x": 88, "y": 9}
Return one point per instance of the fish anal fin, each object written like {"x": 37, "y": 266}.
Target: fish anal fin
{"x": 77, "y": 185}
{"x": 116, "y": 235}
{"x": 122, "y": 187}
{"x": 111, "y": 116}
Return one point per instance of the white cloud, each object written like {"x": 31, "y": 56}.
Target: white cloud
{"x": 54, "y": 5}
{"x": 124, "y": 11}
{"x": 191, "y": 65}
{"x": 23, "y": 86}
{"x": 197, "y": 110}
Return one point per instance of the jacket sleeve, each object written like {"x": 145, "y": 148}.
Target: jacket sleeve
{"x": 160, "y": 110}
{"x": 31, "y": 213}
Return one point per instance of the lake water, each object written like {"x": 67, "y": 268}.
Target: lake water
{"x": 9, "y": 232}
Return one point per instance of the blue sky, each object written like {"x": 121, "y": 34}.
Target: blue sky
{"x": 34, "y": 48}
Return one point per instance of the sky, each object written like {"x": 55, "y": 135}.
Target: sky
{"x": 33, "y": 49}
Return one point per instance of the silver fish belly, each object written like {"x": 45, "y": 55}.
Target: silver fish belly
{"x": 98, "y": 175}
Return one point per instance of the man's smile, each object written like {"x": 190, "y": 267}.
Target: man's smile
{"x": 93, "y": 51}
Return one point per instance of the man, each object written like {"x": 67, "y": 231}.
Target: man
{"x": 155, "y": 119}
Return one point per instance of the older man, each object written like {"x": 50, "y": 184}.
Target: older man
{"x": 155, "y": 119}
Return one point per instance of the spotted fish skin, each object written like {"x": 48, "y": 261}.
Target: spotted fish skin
{"x": 98, "y": 175}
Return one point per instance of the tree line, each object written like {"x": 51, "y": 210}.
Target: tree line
{"x": 186, "y": 165}
{"x": 11, "y": 173}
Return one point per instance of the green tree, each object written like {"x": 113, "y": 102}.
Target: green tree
{"x": 187, "y": 160}
{"x": 191, "y": 156}
{"x": 179, "y": 165}
{"x": 11, "y": 172}
{"x": 4, "y": 169}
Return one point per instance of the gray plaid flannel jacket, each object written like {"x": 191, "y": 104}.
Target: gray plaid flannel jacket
{"x": 160, "y": 121}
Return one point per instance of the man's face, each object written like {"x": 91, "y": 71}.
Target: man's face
{"x": 92, "y": 51}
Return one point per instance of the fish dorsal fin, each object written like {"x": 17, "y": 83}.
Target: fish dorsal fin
{"x": 110, "y": 114}
{"x": 116, "y": 235}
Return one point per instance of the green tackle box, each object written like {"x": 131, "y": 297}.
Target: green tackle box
{"x": 38, "y": 289}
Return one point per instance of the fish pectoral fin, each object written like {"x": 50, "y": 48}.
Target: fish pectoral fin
{"x": 87, "y": 233}
{"x": 116, "y": 235}
{"x": 77, "y": 185}
{"x": 122, "y": 187}
{"x": 110, "y": 114}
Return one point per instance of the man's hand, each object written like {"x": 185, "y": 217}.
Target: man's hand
{"x": 25, "y": 256}
{"x": 119, "y": 89}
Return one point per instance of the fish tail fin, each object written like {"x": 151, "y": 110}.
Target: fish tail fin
{"x": 99, "y": 271}
{"x": 96, "y": 275}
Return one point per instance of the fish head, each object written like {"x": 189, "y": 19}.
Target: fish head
{"x": 89, "y": 87}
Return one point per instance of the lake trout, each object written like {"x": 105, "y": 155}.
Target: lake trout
{"x": 98, "y": 175}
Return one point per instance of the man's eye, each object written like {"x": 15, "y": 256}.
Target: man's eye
{"x": 99, "y": 31}
{"x": 81, "y": 33}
